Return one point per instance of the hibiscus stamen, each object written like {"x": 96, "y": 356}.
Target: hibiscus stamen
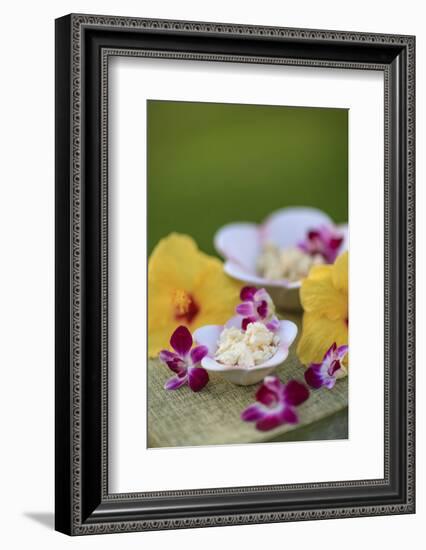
{"x": 186, "y": 308}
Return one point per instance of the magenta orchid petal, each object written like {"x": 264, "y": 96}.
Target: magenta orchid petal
{"x": 341, "y": 351}
{"x": 273, "y": 384}
{"x": 247, "y": 293}
{"x": 167, "y": 356}
{"x": 276, "y": 403}
{"x": 261, "y": 295}
{"x": 175, "y": 382}
{"x": 262, "y": 309}
{"x": 246, "y": 321}
{"x": 334, "y": 367}
{"x": 180, "y": 369}
{"x": 325, "y": 241}
{"x": 173, "y": 361}
{"x": 197, "y": 378}
{"x": 257, "y": 306}
{"x": 198, "y": 353}
{"x": 266, "y": 395}
{"x": 269, "y": 422}
{"x": 314, "y": 376}
{"x": 253, "y": 412}
{"x": 295, "y": 393}
{"x": 289, "y": 416}
{"x": 246, "y": 309}
{"x": 273, "y": 324}
{"x": 184, "y": 360}
{"x": 181, "y": 341}
{"x": 329, "y": 353}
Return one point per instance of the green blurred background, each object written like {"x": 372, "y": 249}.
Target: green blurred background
{"x": 211, "y": 164}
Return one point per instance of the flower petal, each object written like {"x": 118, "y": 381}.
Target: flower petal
{"x": 329, "y": 382}
{"x": 295, "y": 393}
{"x": 334, "y": 367}
{"x": 253, "y": 412}
{"x": 175, "y": 382}
{"x": 262, "y": 309}
{"x": 341, "y": 351}
{"x": 173, "y": 361}
{"x": 181, "y": 341}
{"x": 262, "y": 295}
{"x": 266, "y": 396}
{"x": 289, "y": 416}
{"x": 318, "y": 294}
{"x": 198, "y": 353}
{"x": 247, "y": 293}
{"x": 176, "y": 264}
{"x": 340, "y": 272}
{"x": 273, "y": 324}
{"x": 165, "y": 265}
{"x": 167, "y": 356}
{"x": 314, "y": 376}
{"x": 269, "y": 392}
{"x": 246, "y": 321}
{"x": 197, "y": 378}
{"x": 269, "y": 422}
{"x": 317, "y": 334}
{"x": 330, "y": 352}
{"x": 246, "y": 309}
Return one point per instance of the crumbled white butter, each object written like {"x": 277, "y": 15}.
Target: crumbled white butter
{"x": 246, "y": 349}
{"x": 289, "y": 263}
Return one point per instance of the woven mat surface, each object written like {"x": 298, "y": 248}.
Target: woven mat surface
{"x": 212, "y": 416}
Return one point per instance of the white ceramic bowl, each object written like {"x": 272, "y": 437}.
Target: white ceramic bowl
{"x": 241, "y": 243}
{"x": 243, "y": 376}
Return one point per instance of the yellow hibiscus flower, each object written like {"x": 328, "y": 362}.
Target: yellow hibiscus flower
{"x": 324, "y": 297}
{"x": 185, "y": 287}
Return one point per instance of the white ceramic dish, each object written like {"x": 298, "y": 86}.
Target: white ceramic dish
{"x": 241, "y": 243}
{"x": 243, "y": 376}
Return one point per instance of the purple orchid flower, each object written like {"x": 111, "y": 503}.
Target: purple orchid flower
{"x": 325, "y": 373}
{"x": 325, "y": 241}
{"x": 257, "y": 305}
{"x": 183, "y": 361}
{"x": 276, "y": 403}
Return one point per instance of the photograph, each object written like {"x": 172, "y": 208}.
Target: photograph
{"x": 248, "y": 244}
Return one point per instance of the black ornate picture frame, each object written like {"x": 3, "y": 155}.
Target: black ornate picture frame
{"x": 84, "y": 44}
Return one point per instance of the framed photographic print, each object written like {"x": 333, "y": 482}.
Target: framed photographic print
{"x": 234, "y": 226}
